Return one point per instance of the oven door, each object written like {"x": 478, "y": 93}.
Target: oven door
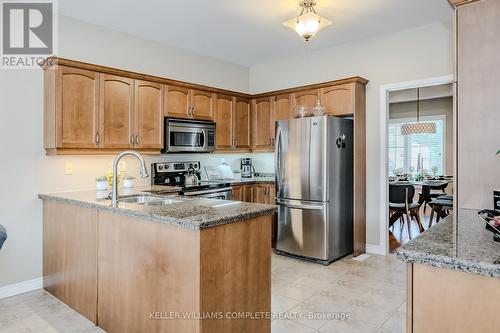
{"x": 189, "y": 136}
{"x": 223, "y": 193}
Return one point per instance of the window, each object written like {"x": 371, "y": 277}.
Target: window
{"x": 404, "y": 149}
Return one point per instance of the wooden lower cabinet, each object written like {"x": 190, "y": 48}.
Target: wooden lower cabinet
{"x": 70, "y": 256}
{"x": 247, "y": 193}
{"x": 445, "y": 300}
{"x": 236, "y": 193}
{"x": 264, "y": 194}
{"x": 257, "y": 193}
{"x": 147, "y": 276}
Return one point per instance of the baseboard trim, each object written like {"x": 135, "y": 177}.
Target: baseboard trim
{"x": 374, "y": 249}
{"x": 21, "y": 288}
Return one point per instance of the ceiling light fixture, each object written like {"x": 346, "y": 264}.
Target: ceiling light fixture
{"x": 418, "y": 127}
{"x": 308, "y": 23}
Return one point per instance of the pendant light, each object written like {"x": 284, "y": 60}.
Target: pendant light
{"x": 418, "y": 127}
{"x": 308, "y": 23}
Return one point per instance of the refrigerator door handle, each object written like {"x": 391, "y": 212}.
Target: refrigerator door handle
{"x": 290, "y": 204}
{"x": 278, "y": 165}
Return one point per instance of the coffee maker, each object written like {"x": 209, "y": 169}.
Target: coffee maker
{"x": 247, "y": 169}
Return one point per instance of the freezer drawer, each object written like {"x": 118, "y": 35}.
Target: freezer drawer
{"x": 303, "y": 228}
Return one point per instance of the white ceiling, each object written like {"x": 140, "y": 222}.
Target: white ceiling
{"x": 250, "y": 32}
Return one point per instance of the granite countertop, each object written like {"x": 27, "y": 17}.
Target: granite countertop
{"x": 458, "y": 242}
{"x": 254, "y": 180}
{"x": 194, "y": 213}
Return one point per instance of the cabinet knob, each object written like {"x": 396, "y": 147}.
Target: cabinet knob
{"x": 132, "y": 139}
{"x": 137, "y": 139}
{"x": 97, "y": 138}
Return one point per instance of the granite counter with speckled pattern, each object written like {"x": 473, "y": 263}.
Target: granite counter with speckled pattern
{"x": 458, "y": 242}
{"x": 194, "y": 213}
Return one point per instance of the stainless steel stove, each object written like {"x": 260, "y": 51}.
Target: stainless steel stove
{"x": 173, "y": 173}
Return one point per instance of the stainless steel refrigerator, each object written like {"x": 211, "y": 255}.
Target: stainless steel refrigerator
{"x": 314, "y": 187}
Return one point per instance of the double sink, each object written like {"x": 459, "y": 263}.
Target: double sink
{"x": 145, "y": 199}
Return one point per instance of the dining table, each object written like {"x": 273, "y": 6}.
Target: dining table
{"x": 426, "y": 184}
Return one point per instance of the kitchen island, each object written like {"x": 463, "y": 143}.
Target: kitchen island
{"x": 170, "y": 264}
{"x": 453, "y": 277}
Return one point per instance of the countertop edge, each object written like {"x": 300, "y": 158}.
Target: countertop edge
{"x": 232, "y": 218}
{"x": 461, "y": 265}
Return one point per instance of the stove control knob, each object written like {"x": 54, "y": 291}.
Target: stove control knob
{"x": 160, "y": 167}
{"x": 166, "y": 166}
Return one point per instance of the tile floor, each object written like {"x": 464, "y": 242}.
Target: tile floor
{"x": 370, "y": 293}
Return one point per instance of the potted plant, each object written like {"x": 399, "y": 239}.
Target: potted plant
{"x": 101, "y": 183}
{"x": 128, "y": 181}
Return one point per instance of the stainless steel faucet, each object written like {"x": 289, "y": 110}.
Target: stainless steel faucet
{"x": 144, "y": 172}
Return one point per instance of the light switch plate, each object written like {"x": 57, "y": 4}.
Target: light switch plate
{"x": 69, "y": 168}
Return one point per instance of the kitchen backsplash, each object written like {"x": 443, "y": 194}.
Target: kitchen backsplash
{"x": 263, "y": 162}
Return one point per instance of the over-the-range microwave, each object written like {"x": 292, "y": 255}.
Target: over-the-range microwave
{"x": 189, "y": 136}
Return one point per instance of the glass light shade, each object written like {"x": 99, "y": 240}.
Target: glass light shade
{"x": 418, "y": 128}
{"x": 307, "y": 25}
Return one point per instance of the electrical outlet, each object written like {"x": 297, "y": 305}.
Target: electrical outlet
{"x": 69, "y": 168}
{"x": 122, "y": 167}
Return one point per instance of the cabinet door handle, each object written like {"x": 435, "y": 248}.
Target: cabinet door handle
{"x": 194, "y": 111}
{"x": 137, "y": 139}
{"x": 132, "y": 139}
{"x": 97, "y": 137}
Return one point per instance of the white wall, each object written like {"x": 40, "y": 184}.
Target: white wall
{"x": 431, "y": 107}
{"x": 95, "y": 44}
{"x": 25, "y": 171}
{"x": 408, "y": 55}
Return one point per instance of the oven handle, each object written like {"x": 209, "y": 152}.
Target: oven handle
{"x": 224, "y": 189}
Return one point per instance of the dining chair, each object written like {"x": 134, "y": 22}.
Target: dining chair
{"x": 427, "y": 194}
{"x": 441, "y": 207}
{"x": 401, "y": 205}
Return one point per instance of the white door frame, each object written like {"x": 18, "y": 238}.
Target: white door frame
{"x": 384, "y": 118}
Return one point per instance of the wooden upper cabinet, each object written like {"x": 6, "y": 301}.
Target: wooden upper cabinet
{"x": 339, "y": 100}
{"x": 78, "y": 113}
{"x": 181, "y": 102}
{"x": 177, "y": 102}
{"x": 148, "y": 122}
{"x": 202, "y": 104}
{"x": 307, "y": 98}
{"x": 241, "y": 123}
{"x": 263, "y": 124}
{"x": 116, "y": 111}
{"x": 223, "y": 120}
{"x": 283, "y": 107}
